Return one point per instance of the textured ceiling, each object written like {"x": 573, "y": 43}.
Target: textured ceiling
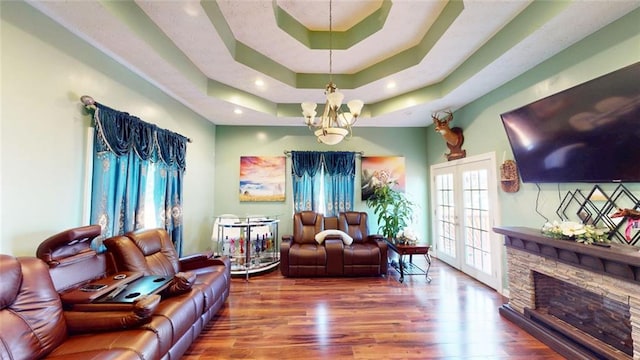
{"x": 404, "y": 58}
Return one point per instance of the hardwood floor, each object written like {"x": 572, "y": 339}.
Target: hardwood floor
{"x": 453, "y": 317}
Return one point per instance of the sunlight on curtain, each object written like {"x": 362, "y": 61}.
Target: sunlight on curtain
{"x": 150, "y": 206}
{"x": 137, "y": 176}
{"x": 323, "y": 182}
{"x": 339, "y": 179}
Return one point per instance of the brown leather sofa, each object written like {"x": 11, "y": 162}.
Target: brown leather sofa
{"x": 152, "y": 253}
{"x": 302, "y": 255}
{"x": 35, "y": 323}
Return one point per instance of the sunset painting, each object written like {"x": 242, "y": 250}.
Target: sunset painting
{"x": 262, "y": 178}
{"x": 378, "y": 170}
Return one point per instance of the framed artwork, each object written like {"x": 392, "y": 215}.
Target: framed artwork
{"x": 377, "y": 170}
{"x": 262, "y": 178}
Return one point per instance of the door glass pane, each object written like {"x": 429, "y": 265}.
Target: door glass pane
{"x": 445, "y": 211}
{"x": 476, "y": 216}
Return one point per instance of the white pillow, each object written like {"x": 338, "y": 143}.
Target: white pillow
{"x": 346, "y": 239}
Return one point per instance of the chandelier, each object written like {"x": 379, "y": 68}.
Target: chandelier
{"x": 333, "y": 125}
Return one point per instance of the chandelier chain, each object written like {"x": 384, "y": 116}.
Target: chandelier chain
{"x": 330, "y": 41}
{"x": 333, "y": 125}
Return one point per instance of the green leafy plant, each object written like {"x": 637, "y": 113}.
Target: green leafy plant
{"x": 393, "y": 209}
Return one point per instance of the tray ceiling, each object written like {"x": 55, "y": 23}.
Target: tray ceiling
{"x": 251, "y": 62}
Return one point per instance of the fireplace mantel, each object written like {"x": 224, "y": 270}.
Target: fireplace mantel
{"x": 620, "y": 260}
{"x": 610, "y": 272}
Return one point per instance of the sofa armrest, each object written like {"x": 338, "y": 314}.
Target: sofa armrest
{"x": 201, "y": 260}
{"x": 382, "y": 244}
{"x": 197, "y": 257}
{"x": 335, "y": 255}
{"x": 376, "y": 237}
{"x": 285, "y": 245}
{"x": 79, "y": 322}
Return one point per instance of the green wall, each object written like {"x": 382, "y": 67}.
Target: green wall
{"x": 609, "y": 49}
{"x": 44, "y": 130}
{"x": 235, "y": 141}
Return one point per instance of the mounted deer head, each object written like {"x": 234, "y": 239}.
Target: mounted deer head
{"x": 453, "y": 136}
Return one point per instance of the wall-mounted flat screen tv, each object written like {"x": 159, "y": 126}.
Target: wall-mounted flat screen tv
{"x": 588, "y": 133}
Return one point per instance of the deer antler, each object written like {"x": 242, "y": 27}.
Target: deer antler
{"x": 442, "y": 121}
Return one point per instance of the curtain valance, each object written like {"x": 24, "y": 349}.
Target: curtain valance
{"x": 340, "y": 163}
{"x": 121, "y": 133}
{"x": 305, "y": 162}
{"x": 334, "y": 162}
{"x": 337, "y": 181}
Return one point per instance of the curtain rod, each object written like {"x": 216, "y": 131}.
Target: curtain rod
{"x": 288, "y": 152}
{"x": 88, "y": 101}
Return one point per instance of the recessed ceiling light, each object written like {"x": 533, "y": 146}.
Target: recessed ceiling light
{"x": 191, "y": 10}
{"x": 237, "y": 111}
{"x": 259, "y": 83}
{"x": 391, "y": 85}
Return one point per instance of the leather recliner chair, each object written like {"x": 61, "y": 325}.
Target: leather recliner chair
{"x": 301, "y": 255}
{"x": 367, "y": 255}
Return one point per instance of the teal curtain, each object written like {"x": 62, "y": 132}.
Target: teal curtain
{"x": 305, "y": 174}
{"x": 125, "y": 150}
{"x": 168, "y": 194}
{"x": 334, "y": 170}
{"x": 339, "y": 179}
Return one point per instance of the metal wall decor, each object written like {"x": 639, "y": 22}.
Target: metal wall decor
{"x": 596, "y": 209}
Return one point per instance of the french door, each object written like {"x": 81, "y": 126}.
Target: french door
{"x": 465, "y": 207}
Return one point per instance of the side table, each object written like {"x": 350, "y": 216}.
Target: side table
{"x": 406, "y": 249}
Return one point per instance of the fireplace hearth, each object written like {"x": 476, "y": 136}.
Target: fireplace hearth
{"x": 581, "y": 300}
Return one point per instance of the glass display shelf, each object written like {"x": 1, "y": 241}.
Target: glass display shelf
{"x": 250, "y": 242}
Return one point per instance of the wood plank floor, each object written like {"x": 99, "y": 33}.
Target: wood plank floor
{"x": 453, "y": 317}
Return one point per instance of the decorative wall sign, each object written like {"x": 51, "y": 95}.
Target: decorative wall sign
{"x": 377, "y": 170}
{"x": 262, "y": 178}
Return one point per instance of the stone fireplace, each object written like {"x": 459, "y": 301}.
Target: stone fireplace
{"x": 581, "y": 300}
{"x": 598, "y": 315}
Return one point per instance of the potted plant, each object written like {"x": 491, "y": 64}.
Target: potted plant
{"x": 393, "y": 209}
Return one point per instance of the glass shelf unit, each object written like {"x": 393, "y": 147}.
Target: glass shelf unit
{"x": 251, "y": 243}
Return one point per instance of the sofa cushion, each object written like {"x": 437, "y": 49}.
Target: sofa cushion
{"x": 344, "y": 236}
{"x": 362, "y": 254}
{"x": 131, "y": 253}
{"x": 307, "y": 254}
{"x": 174, "y": 318}
{"x": 124, "y": 344}
{"x": 306, "y": 225}
{"x": 355, "y": 224}
{"x": 31, "y": 319}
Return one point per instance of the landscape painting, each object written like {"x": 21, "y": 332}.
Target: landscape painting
{"x": 378, "y": 170}
{"x": 262, "y": 178}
